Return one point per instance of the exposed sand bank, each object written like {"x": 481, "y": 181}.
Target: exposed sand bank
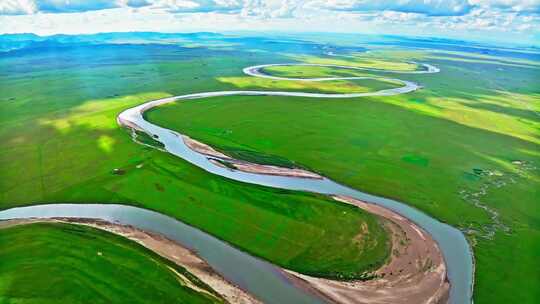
{"x": 245, "y": 166}
{"x": 415, "y": 272}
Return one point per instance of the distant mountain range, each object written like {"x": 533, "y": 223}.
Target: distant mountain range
{"x": 9, "y": 42}
{"x": 358, "y": 43}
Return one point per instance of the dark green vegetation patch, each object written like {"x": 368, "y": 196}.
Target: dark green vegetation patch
{"x": 416, "y": 160}
{"x": 145, "y": 139}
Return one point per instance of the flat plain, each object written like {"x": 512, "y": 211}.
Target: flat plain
{"x": 463, "y": 149}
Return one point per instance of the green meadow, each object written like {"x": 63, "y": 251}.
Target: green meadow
{"x": 336, "y": 86}
{"x": 313, "y": 71}
{"x": 64, "y": 263}
{"x": 363, "y": 60}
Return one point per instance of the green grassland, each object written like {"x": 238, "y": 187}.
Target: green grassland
{"x": 63, "y": 263}
{"x": 369, "y": 60}
{"x": 312, "y": 71}
{"x": 307, "y": 233}
{"x": 61, "y": 143}
{"x": 334, "y": 86}
{"x": 470, "y": 137}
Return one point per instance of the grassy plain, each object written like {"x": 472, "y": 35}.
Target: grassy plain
{"x": 58, "y": 123}
{"x": 335, "y": 86}
{"x": 63, "y": 263}
{"x": 470, "y": 137}
{"x": 312, "y": 71}
{"x": 363, "y": 60}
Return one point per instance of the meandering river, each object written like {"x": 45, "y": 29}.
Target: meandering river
{"x": 254, "y": 275}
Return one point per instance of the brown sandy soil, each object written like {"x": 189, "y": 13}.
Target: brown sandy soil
{"x": 246, "y": 166}
{"x": 415, "y": 272}
{"x": 167, "y": 249}
{"x": 128, "y": 124}
{"x": 202, "y": 148}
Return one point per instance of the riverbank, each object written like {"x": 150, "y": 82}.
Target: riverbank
{"x": 164, "y": 247}
{"x": 244, "y": 166}
{"x": 415, "y": 272}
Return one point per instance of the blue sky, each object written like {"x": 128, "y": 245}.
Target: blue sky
{"x": 489, "y": 20}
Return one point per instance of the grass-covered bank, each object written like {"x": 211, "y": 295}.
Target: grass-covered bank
{"x": 64, "y": 263}
{"x": 303, "y": 232}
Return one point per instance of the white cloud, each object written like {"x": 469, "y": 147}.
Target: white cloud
{"x": 429, "y": 17}
{"x": 528, "y": 6}
{"x": 270, "y": 8}
{"x": 428, "y": 7}
{"x": 17, "y": 7}
{"x": 68, "y": 6}
{"x": 194, "y": 6}
{"x": 24, "y": 7}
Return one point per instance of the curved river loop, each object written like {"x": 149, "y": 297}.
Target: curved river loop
{"x": 260, "y": 278}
